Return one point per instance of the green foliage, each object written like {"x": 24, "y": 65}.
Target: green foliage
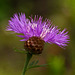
{"x": 34, "y": 64}
{"x": 20, "y": 51}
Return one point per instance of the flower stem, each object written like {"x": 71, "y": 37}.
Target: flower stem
{"x": 29, "y": 56}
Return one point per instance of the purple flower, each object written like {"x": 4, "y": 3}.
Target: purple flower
{"x": 36, "y": 27}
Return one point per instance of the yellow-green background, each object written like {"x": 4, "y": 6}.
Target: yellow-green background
{"x": 61, "y": 13}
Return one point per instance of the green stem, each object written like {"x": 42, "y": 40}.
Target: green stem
{"x": 29, "y": 56}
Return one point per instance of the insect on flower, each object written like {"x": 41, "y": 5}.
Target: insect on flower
{"x": 36, "y": 32}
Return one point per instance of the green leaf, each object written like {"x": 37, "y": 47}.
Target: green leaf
{"x": 36, "y": 62}
{"x": 20, "y": 51}
{"x": 36, "y": 66}
{"x": 33, "y": 63}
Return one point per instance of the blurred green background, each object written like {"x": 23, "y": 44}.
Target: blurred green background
{"x": 61, "y": 13}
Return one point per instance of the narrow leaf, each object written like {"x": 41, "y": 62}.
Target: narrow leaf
{"x": 20, "y": 51}
{"x": 32, "y": 63}
{"x": 36, "y": 62}
{"x": 36, "y": 66}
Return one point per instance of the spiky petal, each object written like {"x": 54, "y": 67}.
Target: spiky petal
{"x": 38, "y": 28}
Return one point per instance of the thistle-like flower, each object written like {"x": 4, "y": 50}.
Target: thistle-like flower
{"x": 36, "y": 32}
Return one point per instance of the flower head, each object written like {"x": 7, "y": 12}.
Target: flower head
{"x": 37, "y": 28}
